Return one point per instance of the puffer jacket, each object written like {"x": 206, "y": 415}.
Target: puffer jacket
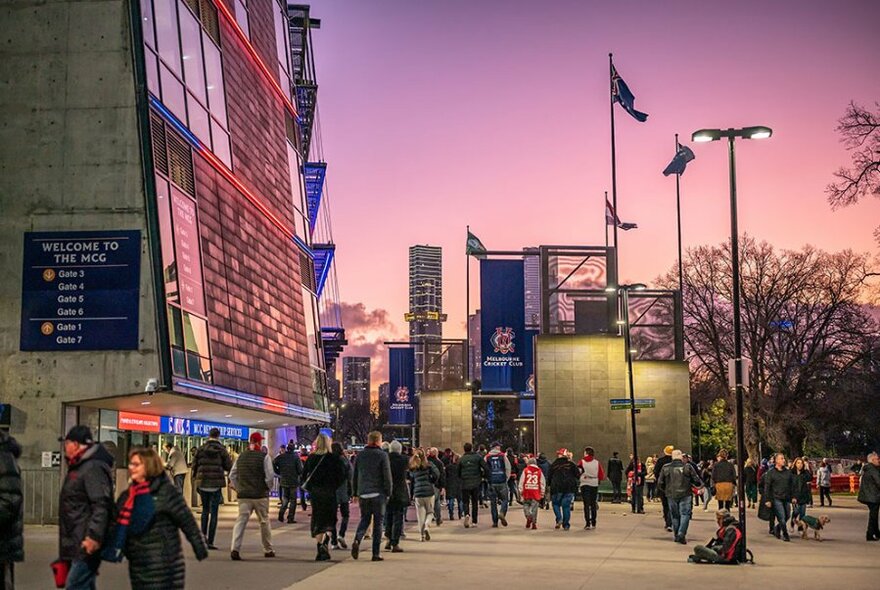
{"x": 86, "y": 502}
{"x": 155, "y": 558}
{"x": 11, "y": 504}
{"x": 471, "y": 470}
{"x": 211, "y": 464}
{"x": 424, "y": 481}
{"x": 869, "y": 485}
{"x": 288, "y": 466}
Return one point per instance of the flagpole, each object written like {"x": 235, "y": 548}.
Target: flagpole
{"x": 467, "y": 313}
{"x": 678, "y": 217}
{"x": 613, "y": 164}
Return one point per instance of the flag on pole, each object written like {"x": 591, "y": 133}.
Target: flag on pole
{"x": 611, "y": 218}
{"x": 475, "y": 247}
{"x": 683, "y": 155}
{"x": 621, "y": 93}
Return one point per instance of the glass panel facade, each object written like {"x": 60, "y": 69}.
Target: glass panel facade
{"x": 165, "y": 13}
{"x": 241, "y": 17}
{"x": 193, "y": 64}
{"x": 169, "y": 264}
{"x": 282, "y": 47}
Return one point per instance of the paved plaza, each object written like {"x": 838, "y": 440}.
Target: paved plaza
{"x": 626, "y": 549}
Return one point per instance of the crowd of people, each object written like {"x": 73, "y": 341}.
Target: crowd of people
{"x": 144, "y": 523}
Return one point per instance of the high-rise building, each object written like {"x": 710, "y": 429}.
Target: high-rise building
{"x": 356, "y": 378}
{"x": 156, "y": 234}
{"x": 426, "y": 315}
{"x": 532, "y": 272}
{"x": 383, "y": 395}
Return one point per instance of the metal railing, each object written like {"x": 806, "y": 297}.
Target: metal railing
{"x": 41, "y": 488}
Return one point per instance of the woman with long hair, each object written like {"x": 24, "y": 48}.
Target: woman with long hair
{"x": 802, "y": 495}
{"x": 424, "y": 475}
{"x": 323, "y": 474}
{"x": 151, "y": 512}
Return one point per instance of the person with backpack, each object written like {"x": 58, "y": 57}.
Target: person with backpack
{"x": 532, "y": 487}
{"x": 723, "y": 546}
{"x": 425, "y": 477}
{"x": 676, "y": 482}
{"x": 498, "y": 468}
{"x": 564, "y": 478}
{"x": 210, "y": 466}
{"x": 591, "y": 475}
{"x": 471, "y": 471}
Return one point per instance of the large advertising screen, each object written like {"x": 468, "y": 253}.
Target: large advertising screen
{"x": 502, "y": 311}
{"x": 402, "y": 386}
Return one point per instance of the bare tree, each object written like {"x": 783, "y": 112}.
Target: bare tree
{"x": 803, "y": 328}
{"x": 860, "y": 133}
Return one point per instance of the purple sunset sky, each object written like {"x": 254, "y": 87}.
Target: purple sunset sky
{"x": 435, "y": 115}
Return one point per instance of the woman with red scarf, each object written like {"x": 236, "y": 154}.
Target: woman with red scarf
{"x": 151, "y": 512}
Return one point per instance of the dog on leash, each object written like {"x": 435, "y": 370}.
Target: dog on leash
{"x": 816, "y": 524}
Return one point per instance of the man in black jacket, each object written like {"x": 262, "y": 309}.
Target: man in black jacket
{"x": 11, "y": 511}
{"x": 372, "y": 487}
{"x": 779, "y": 493}
{"x": 289, "y": 468}
{"x": 210, "y": 466}
{"x": 440, "y": 486}
{"x": 564, "y": 479}
{"x": 471, "y": 471}
{"x": 677, "y": 481}
{"x": 399, "y": 500}
{"x": 615, "y": 475}
{"x": 84, "y": 506}
{"x": 659, "y": 464}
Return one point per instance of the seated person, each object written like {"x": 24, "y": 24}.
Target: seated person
{"x": 722, "y": 548}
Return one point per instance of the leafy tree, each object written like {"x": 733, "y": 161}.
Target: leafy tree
{"x": 715, "y": 429}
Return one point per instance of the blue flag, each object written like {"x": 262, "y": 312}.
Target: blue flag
{"x": 621, "y": 93}
{"x": 683, "y": 155}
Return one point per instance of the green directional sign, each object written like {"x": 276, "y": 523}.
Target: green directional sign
{"x": 641, "y": 403}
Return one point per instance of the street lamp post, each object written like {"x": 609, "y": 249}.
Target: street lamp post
{"x": 336, "y": 407}
{"x": 623, "y": 291}
{"x": 705, "y": 135}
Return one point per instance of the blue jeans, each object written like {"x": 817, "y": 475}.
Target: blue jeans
{"x": 798, "y": 511}
{"x": 498, "y": 491}
{"x": 82, "y": 574}
{"x": 288, "y": 497}
{"x": 371, "y": 508}
{"x": 210, "y": 505}
{"x": 782, "y": 510}
{"x": 562, "y": 508}
{"x": 680, "y": 511}
{"x": 450, "y": 505}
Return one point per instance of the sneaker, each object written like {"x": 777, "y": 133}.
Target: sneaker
{"x": 291, "y": 521}
{"x": 503, "y": 520}
{"x": 355, "y": 549}
{"x": 397, "y": 549}
{"x": 785, "y": 536}
{"x": 334, "y": 546}
{"x": 378, "y": 558}
{"x": 558, "y": 525}
{"x": 427, "y": 535}
{"x": 342, "y": 543}
{"x": 534, "y": 526}
{"x": 272, "y": 553}
{"x": 235, "y": 556}
{"x": 683, "y": 540}
{"x": 528, "y": 523}
{"x": 566, "y": 528}
{"x": 467, "y": 521}
{"x": 494, "y": 525}
{"x": 669, "y": 529}
{"x": 587, "y": 527}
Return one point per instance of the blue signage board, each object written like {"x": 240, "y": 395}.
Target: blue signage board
{"x": 502, "y": 311}
{"x": 402, "y": 385}
{"x": 188, "y": 427}
{"x": 80, "y": 290}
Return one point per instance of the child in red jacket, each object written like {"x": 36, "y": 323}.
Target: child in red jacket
{"x": 532, "y": 485}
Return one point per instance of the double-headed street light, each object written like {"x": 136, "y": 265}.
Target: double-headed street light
{"x": 623, "y": 292}
{"x": 705, "y": 135}
{"x": 336, "y": 406}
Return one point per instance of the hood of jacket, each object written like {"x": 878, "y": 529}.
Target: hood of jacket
{"x": 10, "y": 445}
{"x": 213, "y": 448}
{"x": 588, "y": 458}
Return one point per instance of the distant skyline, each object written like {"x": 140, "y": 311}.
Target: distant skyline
{"x": 436, "y": 115}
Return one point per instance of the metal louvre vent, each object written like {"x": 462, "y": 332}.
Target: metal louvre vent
{"x": 208, "y": 16}
{"x": 160, "y": 150}
{"x": 194, "y": 6}
{"x": 307, "y": 271}
{"x": 180, "y": 163}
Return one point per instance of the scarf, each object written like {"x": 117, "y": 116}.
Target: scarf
{"x": 134, "y": 516}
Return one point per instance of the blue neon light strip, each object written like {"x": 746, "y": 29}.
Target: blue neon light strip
{"x": 169, "y": 116}
{"x": 305, "y": 248}
{"x": 254, "y": 401}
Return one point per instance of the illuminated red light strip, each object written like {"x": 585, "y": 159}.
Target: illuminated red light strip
{"x": 255, "y": 201}
{"x": 230, "y": 19}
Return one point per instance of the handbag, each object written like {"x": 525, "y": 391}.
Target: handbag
{"x": 305, "y": 484}
{"x": 60, "y": 569}
{"x": 764, "y": 512}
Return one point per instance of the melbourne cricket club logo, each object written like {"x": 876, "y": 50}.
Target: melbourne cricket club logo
{"x": 502, "y": 340}
{"x": 402, "y": 394}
